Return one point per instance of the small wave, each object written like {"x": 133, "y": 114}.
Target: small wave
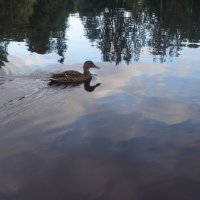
{"x": 24, "y": 93}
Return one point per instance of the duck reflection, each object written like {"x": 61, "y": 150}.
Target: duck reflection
{"x": 90, "y": 88}
{"x": 86, "y": 85}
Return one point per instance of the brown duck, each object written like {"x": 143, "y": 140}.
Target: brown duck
{"x": 70, "y": 77}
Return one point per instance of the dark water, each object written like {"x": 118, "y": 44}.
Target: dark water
{"x": 132, "y": 133}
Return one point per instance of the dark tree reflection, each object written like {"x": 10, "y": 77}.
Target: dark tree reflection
{"x": 14, "y": 15}
{"x": 156, "y": 26}
{"x": 3, "y": 52}
{"x": 41, "y": 23}
{"x": 121, "y": 29}
{"x": 112, "y": 31}
{"x": 48, "y": 26}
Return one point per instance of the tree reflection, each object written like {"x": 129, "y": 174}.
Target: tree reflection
{"x": 41, "y": 23}
{"x": 48, "y": 26}
{"x": 3, "y": 52}
{"x": 112, "y": 32}
{"x": 121, "y": 29}
{"x": 156, "y": 26}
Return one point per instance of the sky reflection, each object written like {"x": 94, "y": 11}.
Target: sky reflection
{"x": 136, "y": 136}
{"x": 138, "y": 129}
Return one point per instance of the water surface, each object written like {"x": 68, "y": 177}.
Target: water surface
{"x": 132, "y": 132}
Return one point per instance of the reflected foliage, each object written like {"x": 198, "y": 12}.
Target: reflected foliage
{"x": 48, "y": 25}
{"x": 121, "y": 29}
{"x": 160, "y": 27}
{"x": 40, "y": 23}
{"x": 3, "y": 52}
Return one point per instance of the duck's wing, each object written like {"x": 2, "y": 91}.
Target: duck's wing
{"x": 71, "y": 73}
{"x": 66, "y": 73}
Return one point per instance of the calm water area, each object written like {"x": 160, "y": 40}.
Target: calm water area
{"x": 132, "y": 132}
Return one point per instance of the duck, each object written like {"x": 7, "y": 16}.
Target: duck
{"x": 73, "y": 77}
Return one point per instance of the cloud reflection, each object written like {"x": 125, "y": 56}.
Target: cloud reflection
{"x": 134, "y": 136}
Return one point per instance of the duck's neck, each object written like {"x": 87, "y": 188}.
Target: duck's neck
{"x": 87, "y": 72}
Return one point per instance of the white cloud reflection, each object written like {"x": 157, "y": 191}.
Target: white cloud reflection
{"x": 132, "y": 102}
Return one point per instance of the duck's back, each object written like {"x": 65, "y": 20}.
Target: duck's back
{"x": 66, "y": 73}
{"x": 69, "y": 76}
{"x": 71, "y": 73}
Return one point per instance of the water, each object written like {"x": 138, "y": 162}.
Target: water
{"x": 132, "y": 132}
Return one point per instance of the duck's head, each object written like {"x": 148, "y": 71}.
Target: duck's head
{"x": 89, "y": 64}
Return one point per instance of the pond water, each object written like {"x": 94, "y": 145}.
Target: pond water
{"x": 132, "y": 132}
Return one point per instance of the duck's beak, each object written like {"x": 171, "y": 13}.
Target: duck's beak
{"x": 96, "y": 67}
